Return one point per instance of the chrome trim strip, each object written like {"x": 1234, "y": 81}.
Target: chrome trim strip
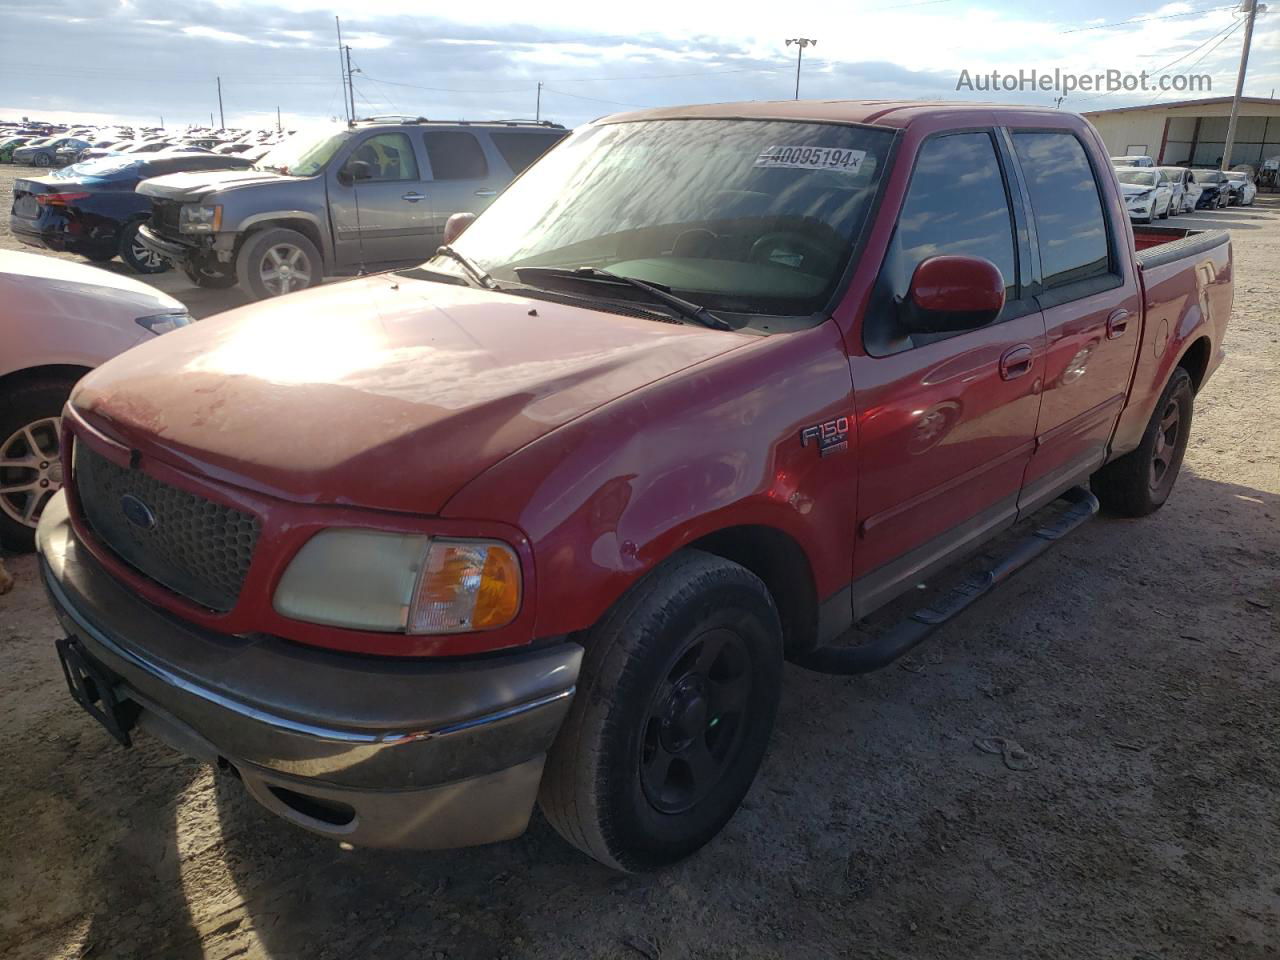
{"x": 284, "y": 723}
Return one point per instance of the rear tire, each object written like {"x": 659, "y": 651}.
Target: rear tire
{"x": 1140, "y": 482}
{"x": 675, "y": 704}
{"x": 138, "y": 257}
{"x": 29, "y": 414}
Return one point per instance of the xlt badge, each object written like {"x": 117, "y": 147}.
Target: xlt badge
{"x": 831, "y": 436}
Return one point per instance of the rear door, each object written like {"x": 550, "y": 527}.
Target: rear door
{"x": 1091, "y": 305}
{"x": 463, "y": 180}
{"x": 945, "y": 422}
{"x": 387, "y": 217}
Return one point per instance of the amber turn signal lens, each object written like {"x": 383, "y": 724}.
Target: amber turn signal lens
{"x": 466, "y": 585}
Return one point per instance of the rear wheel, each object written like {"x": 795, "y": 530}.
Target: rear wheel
{"x": 674, "y": 708}
{"x": 137, "y": 256}
{"x": 275, "y": 262}
{"x": 1140, "y": 482}
{"x": 30, "y": 471}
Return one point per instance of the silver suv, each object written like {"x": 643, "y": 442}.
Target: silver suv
{"x": 336, "y": 200}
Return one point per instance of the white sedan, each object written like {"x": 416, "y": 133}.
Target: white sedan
{"x": 1243, "y": 189}
{"x": 1146, "y": 193}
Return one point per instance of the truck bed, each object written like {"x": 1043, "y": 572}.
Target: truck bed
{"x": 1155, "y": 245}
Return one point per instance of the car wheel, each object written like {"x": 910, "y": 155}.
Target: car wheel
{"x": 1139, "y": 482}
{"x": 30, "y": 471}
{"x": 136, "y": 255}
{"x": 275, "y": 262}
{"x": 42, "y": 160}
{"x": 675, "y": 704}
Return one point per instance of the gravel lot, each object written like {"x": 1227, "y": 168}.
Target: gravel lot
{"x": 1138, "y": 666}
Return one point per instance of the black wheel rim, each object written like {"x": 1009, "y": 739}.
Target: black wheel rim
{"x": 1162, "y": 453}
{"x": 693, "y": 730}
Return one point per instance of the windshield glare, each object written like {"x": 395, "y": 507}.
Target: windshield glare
{"x": 1141, "y": 178}
{"x": 305, "y": 153}
{"x": 745, "y": 216}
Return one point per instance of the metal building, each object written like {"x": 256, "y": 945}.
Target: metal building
{"x": 1192, "y": 131}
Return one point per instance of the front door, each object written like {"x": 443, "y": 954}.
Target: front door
{"x": 1092, "y": 312}
{"x": 385, "y": 218}
{"x": 946, "y": 422}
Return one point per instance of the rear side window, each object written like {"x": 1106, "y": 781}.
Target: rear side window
{"x": 956, "y": 204}
{"x": 455, "y": 155}
{"x": 1070, "y": 225}
{"x": 521, "y": 149}
{"x": 389, "y": 156}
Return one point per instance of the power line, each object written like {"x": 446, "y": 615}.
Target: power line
{"x": 1126, "y": 23}
{"x": 578, "y": 96}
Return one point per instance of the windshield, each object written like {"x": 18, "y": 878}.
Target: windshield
{"x": 1236, "y": 176}
{"x": 1142, "y": 178}
{"x": 745, "y": 216}
{"x": 1207, "y": 176}
{"x": 305, "y": 153}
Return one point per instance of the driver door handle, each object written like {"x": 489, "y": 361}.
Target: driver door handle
{"x": 1116, "y": 324}
{"x": 413, "y": 197}
{"x": 1016, "y": 362}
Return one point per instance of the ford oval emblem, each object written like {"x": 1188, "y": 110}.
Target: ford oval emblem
{"x": 137, "y": 512}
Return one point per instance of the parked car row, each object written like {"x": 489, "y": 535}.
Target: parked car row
{"x": 1152, "y": 192}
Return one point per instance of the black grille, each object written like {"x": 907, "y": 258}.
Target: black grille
{"x": 164, "y": 217}
{"x": 191, "y": 545}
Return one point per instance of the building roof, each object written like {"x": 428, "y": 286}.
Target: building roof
{"x": 888, "y": 113}
{"x": 1208, "y": 102}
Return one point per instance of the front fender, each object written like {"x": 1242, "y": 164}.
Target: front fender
{"x": 608, "y": 497}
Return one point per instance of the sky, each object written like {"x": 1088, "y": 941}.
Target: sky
{"x": 140, "y": 60}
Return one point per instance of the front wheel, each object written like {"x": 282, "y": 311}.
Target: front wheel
{"x": 43, "y": 160}
{"x": 275, "y": 262}
{"x": 1140, "y": 482}
{"x": 674, "y": 708}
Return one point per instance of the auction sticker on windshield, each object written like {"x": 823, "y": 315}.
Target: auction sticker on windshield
{"x": 812, "y": 158}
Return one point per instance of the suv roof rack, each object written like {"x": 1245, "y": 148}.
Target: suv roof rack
{"x": 399, "y": 118}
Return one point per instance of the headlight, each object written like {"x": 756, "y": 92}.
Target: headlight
{"x": 165, "y": 322}
{"x": 200, "y": 218}
{"x": 370, "y": 580}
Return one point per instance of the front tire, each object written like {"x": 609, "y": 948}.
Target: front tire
{"x": 30, "y": 471}
{"x": 275, "y": 262}
{"x": 1140, "y": 482}
{"x": 43, "y": 160}
{"x": 675, "y": 704}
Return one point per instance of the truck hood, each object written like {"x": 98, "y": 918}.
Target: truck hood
{"x": 384, "y": 392}
{"x": 197, "y": 184}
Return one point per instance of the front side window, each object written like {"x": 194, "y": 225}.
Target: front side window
{"x": 389, "y": 156}
{"x": 1070, "y": 225}
{"x": 455, "y": 155}
{"x": 756, "y": 217}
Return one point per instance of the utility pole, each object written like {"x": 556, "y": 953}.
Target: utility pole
{"x": 278, "y": 128}
{"x": 342, "y": 69}
{"x": 537, "y": 115}
{"x": 1244, "y": 65}
{"x": 221, "y": 117}
{"x": 351, "y": 84}
{"x": 801, "y": 43}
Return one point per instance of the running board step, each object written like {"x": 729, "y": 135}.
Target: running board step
{"x": 916, "y": 628}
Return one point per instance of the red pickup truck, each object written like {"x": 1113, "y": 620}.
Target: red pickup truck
{"x": 541, "y": 519}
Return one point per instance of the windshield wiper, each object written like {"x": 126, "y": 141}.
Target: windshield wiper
{"x": 473, "y": 270}
{"x": 694, "y": 312}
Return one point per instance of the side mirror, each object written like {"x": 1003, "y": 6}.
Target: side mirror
{"x": 455, "y": 225}
{"x": 355, "y": 170}
{"x": 950, "y": 293}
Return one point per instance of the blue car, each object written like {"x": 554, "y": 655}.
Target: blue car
{"x": 44, "y": 153}
{"x": 90, "y": 208}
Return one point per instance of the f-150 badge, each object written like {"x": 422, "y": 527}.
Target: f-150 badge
{"x": 831, "y": 436}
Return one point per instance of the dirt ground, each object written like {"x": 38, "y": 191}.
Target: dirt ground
{"x": 1138, "y": 666}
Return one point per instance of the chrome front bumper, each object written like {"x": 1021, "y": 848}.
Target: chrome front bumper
{"x": 424, "y": 754}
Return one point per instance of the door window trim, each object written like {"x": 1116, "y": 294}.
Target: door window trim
{"x": 373, "y": 135}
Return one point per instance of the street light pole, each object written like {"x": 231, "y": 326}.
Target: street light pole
{"x": 801, "y": 43}
{"x": 1244, "y": 65}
